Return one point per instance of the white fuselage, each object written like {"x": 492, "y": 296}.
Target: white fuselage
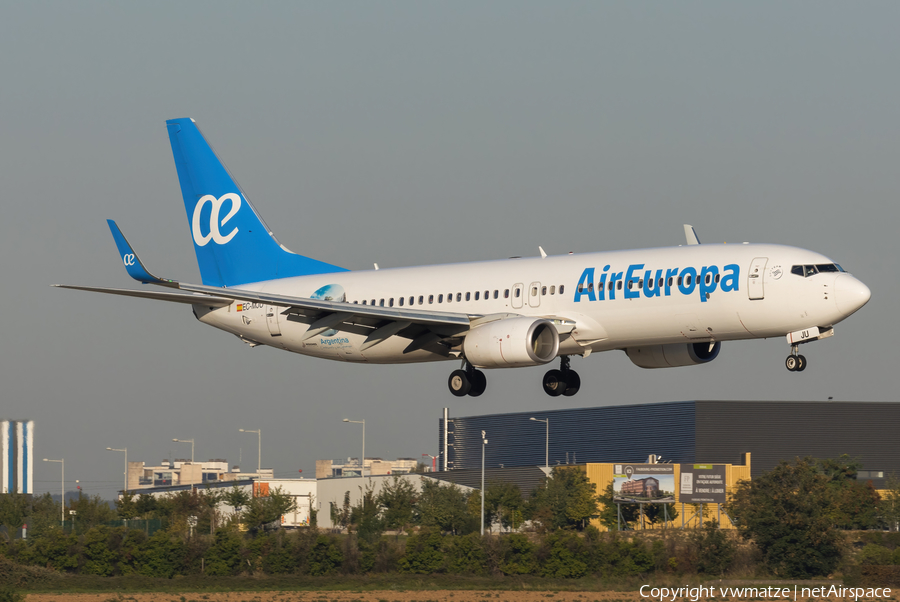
{"x": 746, "y": 291}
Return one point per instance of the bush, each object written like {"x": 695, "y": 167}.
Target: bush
{"x": 567, "y": 556}
{"x": 712, "y": 549}
{"x": 325, "y": 557}
{"x": 423, "y": 553}
{"x": 466, "y": 554}
{"x": 518, "y": 555}
{"x": 874, "y": 554}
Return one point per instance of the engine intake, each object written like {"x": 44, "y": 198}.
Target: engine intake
{"x": 672, "y": 356}
{"x": 511, "y": 343}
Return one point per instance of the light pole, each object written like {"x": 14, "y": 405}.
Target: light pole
{"x": 124, "y": 449}
{"x": 191, "y": 441}
{"x": 62, "y": 491}
{"x": 259, "y": 452}
{"x": 483, "y": 445}
{"x": 362, "y": 459}
{"x": 547, "y": 446}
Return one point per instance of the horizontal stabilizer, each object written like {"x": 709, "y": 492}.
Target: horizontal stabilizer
{"x": 189, "y": 298}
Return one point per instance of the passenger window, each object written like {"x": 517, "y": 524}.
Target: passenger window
{"x": 688, "y": 279}
{"x": 412, "y": 300}
{"x": 420, "y": 299}
{"x": 459, "y": 296}
{"x": 708, "y": 278}
{"x": 506, "y": 294}
{"x": 430, "y": 299}
{"x": 373, "y": 301}
{"x": 717, "y": 278}
{"x": 496, "y": 294}
{"x": 468, "y": 296}
{"x": 660, "y": 283}
{"x": 381, "y": 303}
{"x": 440, "y": 298}
{"x": 364, "y": 301}
{"x": 679, "y": 281}
{"x": 580, "y": 288}
{"x": 630, "y": 282}
{"x": 487, "y": 295}
{"x": 401, "y": 301}
{"x": 356, "y": 303}
{"x": 449, "y": 297}
{"x": 552, "y": 289}
{"x": 543, "y": 290}
{"x": 611, "y": 285}
{"x": 562, "y": 288}
{"x": 670, "y": 280}
{"x": 477, "y": 293}
{"x": 619, "y": 285}
{"x": 391, "y": 302}
{"x": 590, "y": 287}
{"x": 641, "y": 283}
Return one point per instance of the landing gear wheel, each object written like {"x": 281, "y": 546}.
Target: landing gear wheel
{"x": 792, "y": 363}
{"x": 554, "y": 383}
{"x": 479, "y": 383}
{"x": 801, "y": 363}
{"x": 459, "y": 383}
{"x": 573, "y": 383}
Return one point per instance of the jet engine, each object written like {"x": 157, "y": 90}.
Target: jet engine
{"x": 511, "y": 343}
{"x": 671, "y": 356}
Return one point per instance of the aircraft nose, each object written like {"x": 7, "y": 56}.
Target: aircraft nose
{"x": 850, "y": 294}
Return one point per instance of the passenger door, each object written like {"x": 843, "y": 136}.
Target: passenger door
{"x": 755, "y": 278}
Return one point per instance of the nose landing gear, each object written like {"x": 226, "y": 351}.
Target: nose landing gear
{"x": 795, "y": 362}
{"x": 564, "y": 381}
{"x": 467, "y": 381}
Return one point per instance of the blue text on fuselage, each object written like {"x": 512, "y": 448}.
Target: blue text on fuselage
{"x": 635, "y": 281}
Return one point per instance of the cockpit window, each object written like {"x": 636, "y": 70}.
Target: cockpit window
{"x": 810, "y": 270}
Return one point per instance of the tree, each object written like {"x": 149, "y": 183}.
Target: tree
{"x": 397, "y": 501}
{"x": 91, "y": 511}
{"x": 890, "y": 505}
{"x": 856, "y": 502}
{"x": 366, "y": 515}
{"x": 340, "y": 515}
{"x": 126, "y": 506}
{"x": 566, "y": 500}
{"x": 786, "y": 512}
{"x": 444, "y": 507}
{"x": 237, "y": 498}
{"x": 269, "y": 508}
{"x": 505, "y": 503}
{"x": 609, "y": 514}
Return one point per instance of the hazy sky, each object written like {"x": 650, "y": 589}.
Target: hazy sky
{"x": 420, "y": 132}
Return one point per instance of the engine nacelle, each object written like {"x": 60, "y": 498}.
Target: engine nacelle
{"x": 511, "y": 343}
{"x": 671, "y": 356}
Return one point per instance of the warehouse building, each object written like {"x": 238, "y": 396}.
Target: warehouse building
{"x": 717, "y": 432}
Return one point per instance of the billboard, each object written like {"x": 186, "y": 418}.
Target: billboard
{"x": 644, "y": 483}
{"x": 702, "y": 483}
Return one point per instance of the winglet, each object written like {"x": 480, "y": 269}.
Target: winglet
{"x": 691, "y": 235}
{"x": 132, "y": 262}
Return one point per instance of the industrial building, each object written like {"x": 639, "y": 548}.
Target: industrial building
{"x": 186, "y": 472}
{"x": 715, "y": 432}
{"x": 17, "y": 462}
{"x": 326, "y": 469}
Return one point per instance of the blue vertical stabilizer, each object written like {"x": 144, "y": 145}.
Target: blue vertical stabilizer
{"x": 232, "y": 243}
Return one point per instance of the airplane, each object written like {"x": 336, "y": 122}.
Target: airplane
{"x": 664, "y": 307}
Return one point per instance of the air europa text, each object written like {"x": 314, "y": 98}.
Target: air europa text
{"x": 631, "y": 283}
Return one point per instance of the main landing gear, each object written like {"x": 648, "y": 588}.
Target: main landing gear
{"x": 467, "y": 381}
{"x": 564, "y": 381}
{"x": 795, "y": 362}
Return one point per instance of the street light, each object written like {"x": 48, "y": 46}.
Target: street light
{"x": 362, "y": 459}
{"x": 484, "y": 445}
{"x": 62, "y": 489}
{"x": 191, "y": 441}
{"x": 124, "y": 449}
{"x": 259, "y": 452}
{"x": 547, "y": 446}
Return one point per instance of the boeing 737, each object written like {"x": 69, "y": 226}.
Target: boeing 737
{"x": 663, "y": 307}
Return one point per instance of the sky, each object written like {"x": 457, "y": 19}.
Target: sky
{"x": 410, "y": 133}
